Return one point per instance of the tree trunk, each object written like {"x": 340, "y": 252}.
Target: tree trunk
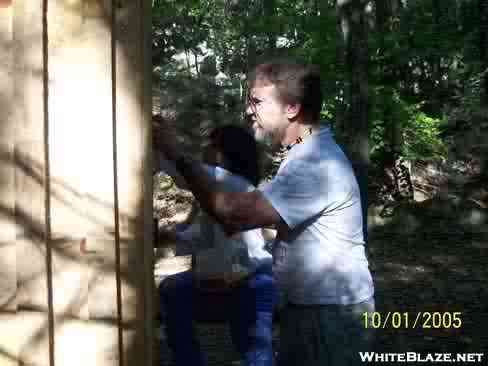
{"x": 436, "y": 63}
{"x": 269, "y": 13}
{"x": 340, "y": 83}
{"x": 386, "y": 10}
{"x": 187, "y": 58}
{"x": 195, "y": 58}
{"x": 352, "y": 16}
{"x": 483, "y": 47}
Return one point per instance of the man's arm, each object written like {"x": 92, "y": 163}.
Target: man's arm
{"x": 235, "y": 211}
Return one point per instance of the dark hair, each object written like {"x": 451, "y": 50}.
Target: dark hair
{"x": 239, "y": 149}
{"x": 295, "y": 82}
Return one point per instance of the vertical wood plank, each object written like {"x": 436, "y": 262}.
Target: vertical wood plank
{"x": 81, "y": 168}
{"x": 68, "y": 219}
{"x": 7, "y": 225}
{"x": 99, "y": 198}
{"x": 8, "y": 280}
{"x": 69, "y": 119}
{"x": 147, "y": 168}
{"x": 128, "y": 149}
{"x": 33, "y": 338}
{"x": 133, "y": 108}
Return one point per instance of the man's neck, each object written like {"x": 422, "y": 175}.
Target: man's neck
{"x": 296, "y": 130}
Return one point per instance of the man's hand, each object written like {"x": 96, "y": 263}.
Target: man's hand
{"x": 164, "y": 138}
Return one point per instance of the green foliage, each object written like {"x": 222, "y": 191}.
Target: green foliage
{"x": 424, "y": 67}
{"x": 328, "y": 111}
{"x": 422, "y": 140}
{"x": 420, "y": 133}
{"x": 377, "y": 143}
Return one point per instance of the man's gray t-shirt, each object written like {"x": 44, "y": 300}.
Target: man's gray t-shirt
{"x": 322, "y": 260}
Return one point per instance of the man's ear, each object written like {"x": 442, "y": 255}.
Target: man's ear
{"x": 293, "y": 110}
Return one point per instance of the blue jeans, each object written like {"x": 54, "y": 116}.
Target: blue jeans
{"x": 249, "y": 315}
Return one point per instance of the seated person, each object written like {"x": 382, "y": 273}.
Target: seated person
{"x": 232, "y": 159}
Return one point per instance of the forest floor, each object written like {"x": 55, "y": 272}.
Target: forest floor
{"x": 424, "y": 260}
{"x": 437, "y": 269}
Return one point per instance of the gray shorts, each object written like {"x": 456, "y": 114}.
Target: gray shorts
{"x": 324, "y": 335}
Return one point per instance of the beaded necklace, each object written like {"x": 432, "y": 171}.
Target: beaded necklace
{"x": 300, "y": 139}
{"x": 281, "y": 154}
{"x": 283, "y": 151}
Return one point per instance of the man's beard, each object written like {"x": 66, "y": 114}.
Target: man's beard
{"x": 265, "y": 137}
{"x": 260, "y": 134}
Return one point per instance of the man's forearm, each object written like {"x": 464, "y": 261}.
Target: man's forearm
{"x": 235, "y": 211}
{"x": 230, "y": 210}
{"x": 200, "y": 184}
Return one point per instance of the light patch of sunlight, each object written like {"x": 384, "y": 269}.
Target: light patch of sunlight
{"x": 96, "y": 343}
{"x": 81, "y": 154}
{"x": 6, "y": 19}
{"x": 369, "y": 8}
{"x": 169, "y": 266}
{"x": 407, "y": 273}
{"x": 475, "y": 217}
{"x": 447, "y": 260}
{"x": 183, "y": 58}
{"x": 179, "y": 217}
{"x": 282, "y": 41}
{"x": 83, "y": 118}
{"x": 24, "y": 334}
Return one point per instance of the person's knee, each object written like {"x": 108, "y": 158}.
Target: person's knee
{"x": 178, "y": 287}
{"x": 265, "y": 293}
{"x": 168, "y": 286}
{"x": 165, "y": 286}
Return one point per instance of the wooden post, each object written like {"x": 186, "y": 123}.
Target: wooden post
{"x": 76, "y": 283}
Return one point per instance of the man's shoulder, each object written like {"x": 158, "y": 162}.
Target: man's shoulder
{"x": 316, "y": 154}
{"x": 318, "y": 166}
{"x": 319, "y": 144}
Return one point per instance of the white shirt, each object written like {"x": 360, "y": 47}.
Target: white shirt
{"x": 243, "y": 252}
{"x": 216, "y": 252}
{"x": 323, "y": 260}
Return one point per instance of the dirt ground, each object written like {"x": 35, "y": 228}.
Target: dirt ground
{"x": 426, "y": 261}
